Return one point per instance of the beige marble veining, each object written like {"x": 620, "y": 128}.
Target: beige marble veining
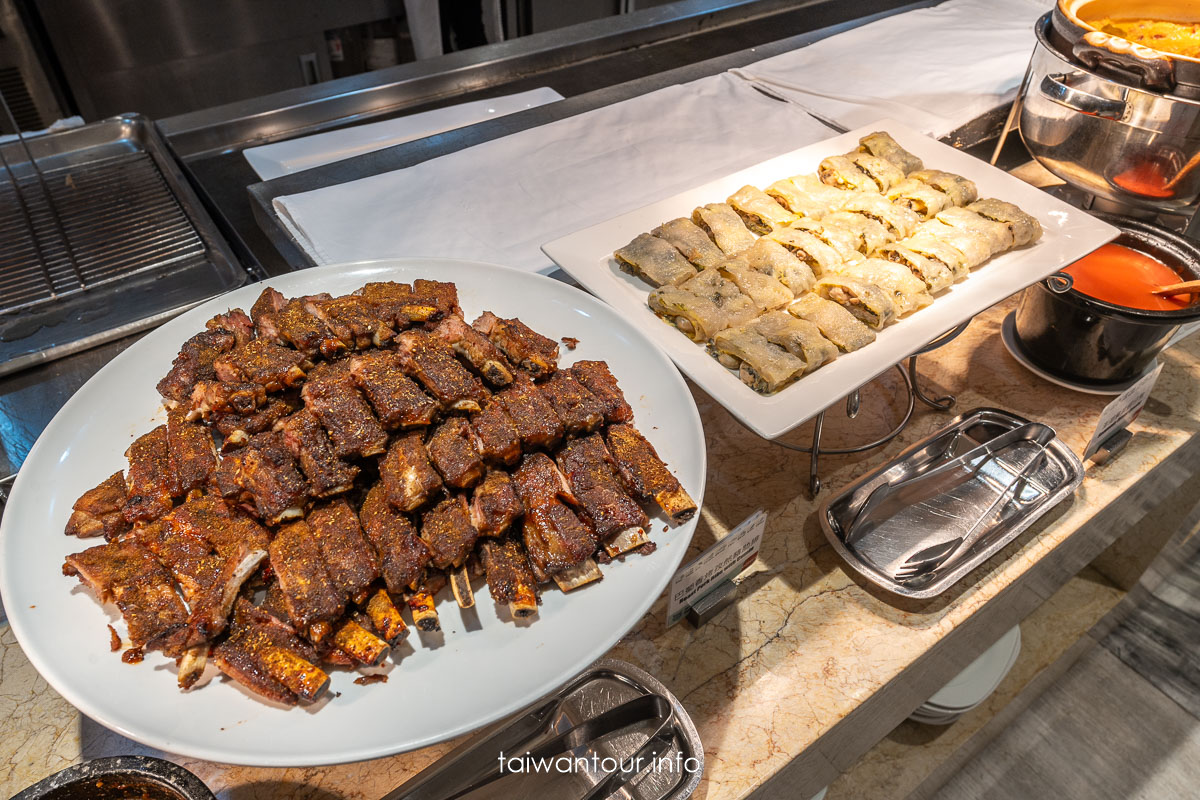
{"x": 804, "y": 646}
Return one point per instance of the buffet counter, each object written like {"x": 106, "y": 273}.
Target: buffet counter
{"x": 808, "y": 669}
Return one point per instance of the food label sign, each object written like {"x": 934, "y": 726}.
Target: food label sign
{"x": 714, "y": 566}
{"x": 1122, "y": 411}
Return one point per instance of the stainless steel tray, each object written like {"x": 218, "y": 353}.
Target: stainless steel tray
{"x": 605, "y": 685}
{"x": 100, "y": 236}
{"x": 951, "y": 508}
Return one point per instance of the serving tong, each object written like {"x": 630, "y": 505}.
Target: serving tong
{"x": 931, "y": 557}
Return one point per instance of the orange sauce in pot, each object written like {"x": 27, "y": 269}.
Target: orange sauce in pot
{"x": 1147, "y": 179}
{"x": 1124, "y": 277}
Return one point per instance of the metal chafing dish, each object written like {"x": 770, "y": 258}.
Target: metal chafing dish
{"x": 920, "y": 523}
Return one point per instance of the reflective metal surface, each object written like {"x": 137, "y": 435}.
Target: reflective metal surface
{"x": 605, "y": 686}
{"x": 986, "y": 466}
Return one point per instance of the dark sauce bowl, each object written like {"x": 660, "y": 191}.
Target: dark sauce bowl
{"x": 1078, "y": 337}
{"x": 119, "y": 778}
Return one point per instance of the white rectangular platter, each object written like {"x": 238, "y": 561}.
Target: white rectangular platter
{"x": 1069, "y": 234}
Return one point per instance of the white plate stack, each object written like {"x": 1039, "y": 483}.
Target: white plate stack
{"x": 973, "y": 685}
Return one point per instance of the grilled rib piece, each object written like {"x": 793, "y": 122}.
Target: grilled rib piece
{"x": 98, "y": 510}
{"x": 578, "y": 408}
{"x": 535, "y": 420}
{"x": 274, "y": 367}
{"x": 310, "y": 446}
{"x": 332, "y": 398}
{"x": 616, "y": 517}
{"x": 191, "y": 454}
{"x": 644, "y": 473}
{"x": 404, "y": 305}
{"x": 221, "y": 397}
{"x": 349, "y": 559}
{"x": 359, "y": 643}
{"x": 353, "y": 319}
{"x": 431, "y": 362}
{"x": 509, "y": 576}
{"x": 236, "y": 322}
{"x": 309, "y": 594}
{"x": 477, "y": 349}
{"x": 524, "y": 346}
{"x": 599, "y": 380}
{"x": 558, "y": 542}
{"x": 264, "y": 655}
{"x": 398, "y": 401}
{"x": 128, "y": 574}
{"x": 448, "y": 532}
{"x": 195, "y": 363}
{"x": 148, "y": 481}
{"x": 385, "y": 618}
{"x": 406, "y": 474}
{"x": 402, "y": 554}
{"x": 264, "y": 313}
{"x": 211, "y": 550}
{"x": 268, "y": 474}
{"x": 453, "y": 452}
{"x": 495, "y": 505}
{"x": 495, "y": 435}
{"x": 442, "y": 296}
{"x": 288, "y": 322}
{"x": 238, "y": 428}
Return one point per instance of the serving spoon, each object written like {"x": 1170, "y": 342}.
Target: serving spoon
{"x": 1187, "y": 287}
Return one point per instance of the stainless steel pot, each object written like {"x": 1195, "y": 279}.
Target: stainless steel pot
{"x": 1112, "y": 138}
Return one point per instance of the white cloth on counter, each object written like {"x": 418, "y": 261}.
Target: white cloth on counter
{"x": 501, "y": 200}
{"x": 933, "y": 68}
{"x": 295, "y": 155}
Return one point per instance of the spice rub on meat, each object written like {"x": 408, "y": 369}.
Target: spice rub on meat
{"x": 328, "y": 462}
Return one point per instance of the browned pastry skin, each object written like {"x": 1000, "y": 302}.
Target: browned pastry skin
{"x": 308, "y": 443}
{"x": 397, "y": 400}
{"x": 599, "y": 380}
{"x": 195, "y": 363}
{"x": 402, "y": 555}
{"x": 645, "y": 474}
{"x": 431, "y": 362}
{"x": 406, "y": 474}
{"x": 332, "y": 397}
{"x": 592, "y": 474}
{"x": 524, "y": 346}
{"x": 148, "y": 481}
{"x": 128, "y": 574}
{"x": 97, "y": 512}
{"x": 452, "y": 450}
{"x": 536, "y": 422}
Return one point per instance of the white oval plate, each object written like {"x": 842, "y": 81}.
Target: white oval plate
{"x": 484, "y": 669}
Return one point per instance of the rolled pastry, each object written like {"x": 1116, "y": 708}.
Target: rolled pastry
{"x": 687, "y": 237}
{"x": 654, "y": 261}
{"x": 759, "y": 210}
{"x": 881, "y": 143}
{"x": 835, "y": 323}
{"x": 799, "y": 337}
{"x": 724, "y": 226}
{"x": 871, "y": 304}
{"x": 763, "y": 366}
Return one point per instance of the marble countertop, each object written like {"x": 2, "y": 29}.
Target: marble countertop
{"x": 773, "y": 681}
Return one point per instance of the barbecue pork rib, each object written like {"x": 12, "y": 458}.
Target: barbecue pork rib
{"x": 495, "y": 434}
{"x": 476, "y": 349}
{"x": 97, "y": 512}
{"x": 645, "y": 474}
{"x": 452, "y": 450}
{"x": 349, "y": 559}
{"x": 431, "y": 362}
{"x": 309, "y": 594}
{"x": 510, "y": 579}
{"x": 594, "y": 481}
{"x": 265, "y": 655}
{"x": 535, "y": 420}
{"x": 310, "y": 446}
{"x": 578, "y": 408}
{"x": 269, "y": 475}
{"x": 148, "y": 481}
{"x": 495, "y": 504}
{"x": 332, "y": 397}
{"x": 194, "y": 364}
{"x": 558, "y": 541}
{"x": 406, "y": 474}
{"x": 397, "y": 400}
{"x": 401, "y": 552}
{"x": 523, "y": 346}
{"x": 274, "y": 367}
{"x": 191, "y": 453}
{"x": 599, "y": 380}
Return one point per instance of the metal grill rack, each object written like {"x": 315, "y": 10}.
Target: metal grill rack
{"x": 72, "y": 228}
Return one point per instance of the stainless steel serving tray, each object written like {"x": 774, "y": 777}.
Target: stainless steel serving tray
{"x": 100, "y": 236}
{"x": 605, "y": 685}
{"x": 1055, "y": 478}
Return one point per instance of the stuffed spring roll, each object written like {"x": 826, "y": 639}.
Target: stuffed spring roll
{"x": 763, "y": 366}
{"x": 736, "y": 304}
{"x": 960, "y": 190}
{"x": 758, "y": 210}
{"x": 807, "y": 247}
{"x": 724, "y": 226}
{"x": 870, "y": 233}
{"x": 654, "y": 261}
{"x": 1025, "y": 227}
{"x": 899, "y": 221}
{"x": 835, "y": 323}
{"x": 935, "y": 275}
{"x": 883, "y": 172}
{"x": 807, "y": 196}
{"x": 771, "y": 258}
{"x": 702, "y": 306}
{"x": 998, "y": 235}
{"x": 843, "y": 241}
{"x": 799, "y": 337}
{"x": 871, "y": 304}
{"x": 974, "y": 248}
{"x": 908, "y": 292}
{"x": 881, "y": 143}
{"x": 842, "y": 173}
{"x": 934, "y": 249}
{"x": 766, "y": 292}
{"x": 920, "y": 197}
{"x": 687, "y": 237}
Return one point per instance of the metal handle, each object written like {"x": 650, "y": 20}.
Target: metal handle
{"x": 1058, "y": 89}
{"x": 1099, "y": 50}
{"x": 1060, "y": 282}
